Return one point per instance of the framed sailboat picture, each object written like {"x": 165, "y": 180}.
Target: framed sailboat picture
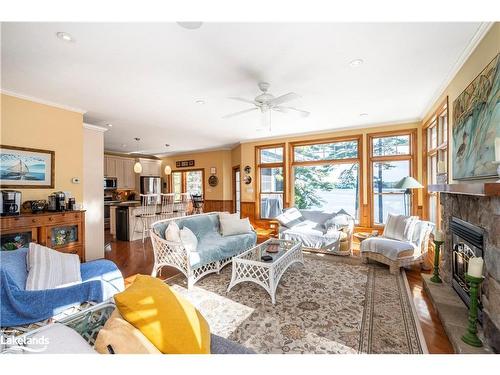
{"x": 25, "y": 168}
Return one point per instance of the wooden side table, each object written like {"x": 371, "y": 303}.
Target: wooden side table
{"x": 361, "y": 236}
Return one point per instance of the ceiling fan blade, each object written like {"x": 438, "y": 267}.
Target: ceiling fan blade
{"x": 287, "y": 110}
{"x": 242, "y": 99}
{"x": 239, "y": 113}
{"x": 283, "y": 98}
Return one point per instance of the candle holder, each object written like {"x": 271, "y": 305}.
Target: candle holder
{"x": 470, "y": 336}
{"x": 435, "y": 276}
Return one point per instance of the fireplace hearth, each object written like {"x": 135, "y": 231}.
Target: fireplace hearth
{"x": 467, "y": 241}
{"x": 471, "y": 223}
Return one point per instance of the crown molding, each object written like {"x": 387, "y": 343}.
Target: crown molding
{"x": 95, "y": 128}
{"x": 43, "y": 101}
{"x": 196, "y": 151}
{"x": 482, "y": 30}
{"x": 402, "y": 123}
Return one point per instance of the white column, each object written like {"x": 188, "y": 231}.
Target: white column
{"x": 93, "y": 190}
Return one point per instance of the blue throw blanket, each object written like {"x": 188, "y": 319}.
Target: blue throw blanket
{"x": 101, "y": 279}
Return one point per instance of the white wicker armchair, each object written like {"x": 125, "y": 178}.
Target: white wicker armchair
{"x": 393, "y": 252}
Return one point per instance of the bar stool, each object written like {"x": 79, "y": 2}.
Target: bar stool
{"x": 197, "y": 200}
{"x": 182, "y": 206}
{"x": 167, "y": 206}
{"x": 147, "y": 213}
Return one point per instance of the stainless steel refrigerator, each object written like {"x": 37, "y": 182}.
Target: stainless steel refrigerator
{"x": 150, "y": 185}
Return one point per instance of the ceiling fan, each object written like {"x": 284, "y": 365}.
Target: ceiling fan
{"x": 267, "y": 102}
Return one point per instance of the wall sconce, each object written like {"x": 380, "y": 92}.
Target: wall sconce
{"x": 167, "y": 170}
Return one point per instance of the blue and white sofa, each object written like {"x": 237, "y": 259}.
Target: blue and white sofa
{"x": 213, "y": 252}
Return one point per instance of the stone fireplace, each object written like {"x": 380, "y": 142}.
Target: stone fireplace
{"x": 481, "y": 213}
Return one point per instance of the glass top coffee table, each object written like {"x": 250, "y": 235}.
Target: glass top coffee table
{"x": 249, "y": 266}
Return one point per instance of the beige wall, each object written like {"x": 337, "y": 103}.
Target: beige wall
{"x": 221, "y": 160}
{"x": 93, "y": 174}
{"x": 486, "y": 50}
{"x": 28, "y": 124}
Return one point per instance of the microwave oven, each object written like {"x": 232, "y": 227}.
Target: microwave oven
{"x": 110, "y": 183}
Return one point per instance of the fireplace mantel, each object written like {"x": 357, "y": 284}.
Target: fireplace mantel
{"x": 482, "y": 189}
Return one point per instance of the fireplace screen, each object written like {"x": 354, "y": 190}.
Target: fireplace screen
{"x": 467, "y": 242}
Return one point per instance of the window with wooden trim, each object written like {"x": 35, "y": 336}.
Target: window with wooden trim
{"x": 435, "y": 159}
{"x": 187, "y": 182}
{"x": 326, "y": 176}
{"x": 271, "y": 189}
{"x": 391, "y": 158}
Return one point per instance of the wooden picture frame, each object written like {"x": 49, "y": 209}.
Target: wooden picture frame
{"x": 26, "y": 168}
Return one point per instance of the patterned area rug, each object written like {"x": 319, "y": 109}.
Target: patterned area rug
{"x": 330, "y": 305}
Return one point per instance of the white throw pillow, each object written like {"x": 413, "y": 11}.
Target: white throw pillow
{"x": 50, "y": 269}
{"x": 231, "y": 225}
{"x": 400, "y": 227}
{"x": 290, "y": 218}
{"x": 188, "y": 239}
{"x": 172, "y": 233}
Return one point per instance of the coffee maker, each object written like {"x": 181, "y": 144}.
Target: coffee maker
{"x": 57, "y": 201}
{"x": 10, "y": 203}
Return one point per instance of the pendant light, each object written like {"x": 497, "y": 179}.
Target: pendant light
{"x": 137, "y": 165}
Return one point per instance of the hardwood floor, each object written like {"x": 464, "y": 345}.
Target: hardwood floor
{"x": 134, "y": 258}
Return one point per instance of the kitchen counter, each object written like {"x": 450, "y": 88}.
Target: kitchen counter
{"x": 124, "y": 203}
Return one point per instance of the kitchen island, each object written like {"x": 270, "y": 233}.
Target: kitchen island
{"x": 117, "y": 222}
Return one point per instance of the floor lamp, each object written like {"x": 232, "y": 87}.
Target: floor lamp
{"x": 408, "y": 183}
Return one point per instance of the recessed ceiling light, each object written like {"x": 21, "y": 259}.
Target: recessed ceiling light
{"x": 363, "y": 114}
{"x": 65, "y": 36}
{"x": 356, "y": 63}
{"x": 109, "y": 125}
{"x": 200, "y": 101}
{"x": 190, "y": 25}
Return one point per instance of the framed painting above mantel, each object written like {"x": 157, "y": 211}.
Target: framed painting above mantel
{"x": 26, "y": 168}
{"x": 476, "y": 124}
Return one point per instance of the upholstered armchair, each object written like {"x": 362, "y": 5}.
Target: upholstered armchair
{"x": 399, "y": 253}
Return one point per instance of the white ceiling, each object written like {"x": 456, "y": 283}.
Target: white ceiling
{"x": 145, "y": 78}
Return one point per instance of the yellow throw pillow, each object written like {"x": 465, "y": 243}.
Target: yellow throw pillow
{"x": 123, "y": 337}
{"x": 168, "y": 320}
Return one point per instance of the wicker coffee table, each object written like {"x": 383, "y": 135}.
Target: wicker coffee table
{"x": 249, "y": 266}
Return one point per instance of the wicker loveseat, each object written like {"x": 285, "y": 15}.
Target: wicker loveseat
{"x": 213, "y": 252}
{"x": 318, "y": 231}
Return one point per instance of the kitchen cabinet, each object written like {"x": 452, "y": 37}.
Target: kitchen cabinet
{"x": 151, "y": 167}
{"x": 123, "y": 169}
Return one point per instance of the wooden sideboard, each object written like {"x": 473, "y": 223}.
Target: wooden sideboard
{"x": 61, "y": 231}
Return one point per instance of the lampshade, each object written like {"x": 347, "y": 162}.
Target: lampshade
{"x": 167, "y": 170}
{"x": 408, "y": 183}
{"x": 137, "y": 167}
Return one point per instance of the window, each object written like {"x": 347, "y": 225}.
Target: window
{"x": 326, "y": 151}
{"x": 187, "y": 182}
{"x": 391, "y": 159}
{"x": 271, "y": 181}
{"x": 237, "y": 189}
{"x": 326, "y": 176}
{"x": 436, "y": 159}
